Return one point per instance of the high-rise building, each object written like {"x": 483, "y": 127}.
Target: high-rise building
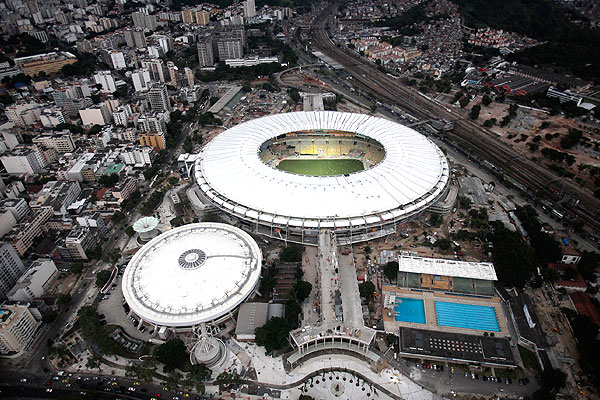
{"x": 187, "y": 16}
{"x": 152, "y": 123}
{"x": 189, "y": 74}
{"x": 79, "y": 241}
{"x": 154, "y": 140}
{"x": 121, "y": 115}
{"x": 144, "y": 21}
{"x": 17, "y": 328}
{"x": 107, "y": 81}
{"x": 165, "y": 42}
{"x": 249, "y": 9}
{"x": 23, "y": 161}
{"x": 158, "y": 97}
{"x": 135, "y": 38}
{"x": 156, "y": 68}
{"x": 202, "y": 17}
{"x": 206, "y": 57}
{"x": 11, "y": 268}
{"x": 118, "y": 60}
{"x": 141, "y": 79}
{"x": 230, "y": 44}
{"x": 172, "y": 68}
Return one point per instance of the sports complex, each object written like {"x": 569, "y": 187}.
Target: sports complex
{"x": 290, "y": 175}
{"x": 197, "y": 273}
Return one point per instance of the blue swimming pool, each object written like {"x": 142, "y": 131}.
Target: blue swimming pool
{"x": 409, "y": 310}
{"x": 468, "y": 316}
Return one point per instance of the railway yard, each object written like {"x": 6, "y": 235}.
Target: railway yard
{"x": 532, "y": 178}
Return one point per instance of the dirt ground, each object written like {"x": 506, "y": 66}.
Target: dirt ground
{"x": 526, "y": 125}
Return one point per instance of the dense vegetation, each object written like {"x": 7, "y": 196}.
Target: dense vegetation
{"x": 403, "y": 22}
{"x": 225, "y": 73}
{"x": 570, "y": 48}
{"x": 588, "y": 345}
{"x": 545, "y": 246}
{"x": 291, "y": 253}
{"x": 514, "y": 259}
{"x": 172, "y": 354}
{"x": 91, "y": 329}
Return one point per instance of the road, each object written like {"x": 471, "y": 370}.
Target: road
{"x": 37, "y": 385}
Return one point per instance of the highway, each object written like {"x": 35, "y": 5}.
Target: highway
{"x": 466, "y": 134}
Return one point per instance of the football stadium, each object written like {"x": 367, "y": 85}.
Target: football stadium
{"x": 287, "y": 176}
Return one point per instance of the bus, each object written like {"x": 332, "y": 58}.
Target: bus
{"x": 557, "y": 214}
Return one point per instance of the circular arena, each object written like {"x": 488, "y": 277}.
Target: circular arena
{"x": 290, "y": 175}
{"x": 192, "y": 274}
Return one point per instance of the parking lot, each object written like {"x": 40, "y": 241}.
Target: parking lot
{"x": 115, "y": 312}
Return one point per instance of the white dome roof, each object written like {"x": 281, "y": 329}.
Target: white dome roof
{"x": 192, "y": 274}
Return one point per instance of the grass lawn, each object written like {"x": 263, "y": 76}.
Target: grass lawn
{"x": 529, "y": 358}
{"x": 321, "y": 167}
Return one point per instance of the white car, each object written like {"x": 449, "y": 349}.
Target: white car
{"x": 131, "y": 389}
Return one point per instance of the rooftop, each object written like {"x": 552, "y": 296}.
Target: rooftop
{"x": 192, "y": 274}
{"x": 438, "y": 266}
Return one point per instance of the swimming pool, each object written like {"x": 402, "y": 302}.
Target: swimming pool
{"x": 409, "y": 310}
{"x": 468, "y": 316}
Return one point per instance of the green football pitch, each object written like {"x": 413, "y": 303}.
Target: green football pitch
{"x": 321, "y": 167}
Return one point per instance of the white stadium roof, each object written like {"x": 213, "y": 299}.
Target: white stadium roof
{"x": 439, "y": 266}
{"x": 145, "y": 224}
{"x": 413, "y": 174}
{"x": 192, "y": 274}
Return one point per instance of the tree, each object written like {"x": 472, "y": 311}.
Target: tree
{"x": 129, "y": 231}
{"x": 102, "y": 277}
{"x": 76, "y": 267}
{"x": 177, "y": 221}
{"x": 391, "y": 270}
{"x": 292, "y": 253}
{"x": 294, "y": 95}
{"x": 113, "y": 256}
{"x": 117, "y": 217}
{"x": 463, "y": 102}
{"x": 64, "y": 299}
{"x": 553, "y": 379}
{"x": 172, "y": 354}
{"x": 196, "y": 377}
{"x": 109, "y": 181}
{"x": 188, "y": 146}
{"x": 93, "y": 362}
{"x": 475, "y": 110}
{"x": 144, "y": 370}
{"x": 443, "y": 244}
{"x": 273, "y": 335}
{"x": 226, "y": 379}
{"x": 367, "y": 290}
{"x": 302, "y": 289}
{"x": 486, "y": 100}
{"x": 94, "y": 130}
{"x": 50, "y": 317}
{"x": 173, "y": 380}
{"x": 514, "y": 259}
{"x": 173, "y": 180}
{"x": 490, "y": 122}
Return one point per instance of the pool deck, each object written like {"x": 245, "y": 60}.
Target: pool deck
{"x": 429, "y": 299}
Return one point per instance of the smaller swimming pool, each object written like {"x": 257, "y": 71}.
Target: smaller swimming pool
{"x": 409, "y": 310}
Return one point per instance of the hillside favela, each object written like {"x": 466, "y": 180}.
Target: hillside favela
{"x": 300, "y": 199}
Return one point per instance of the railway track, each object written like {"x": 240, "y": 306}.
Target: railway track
{"x": 466, "y": 134}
